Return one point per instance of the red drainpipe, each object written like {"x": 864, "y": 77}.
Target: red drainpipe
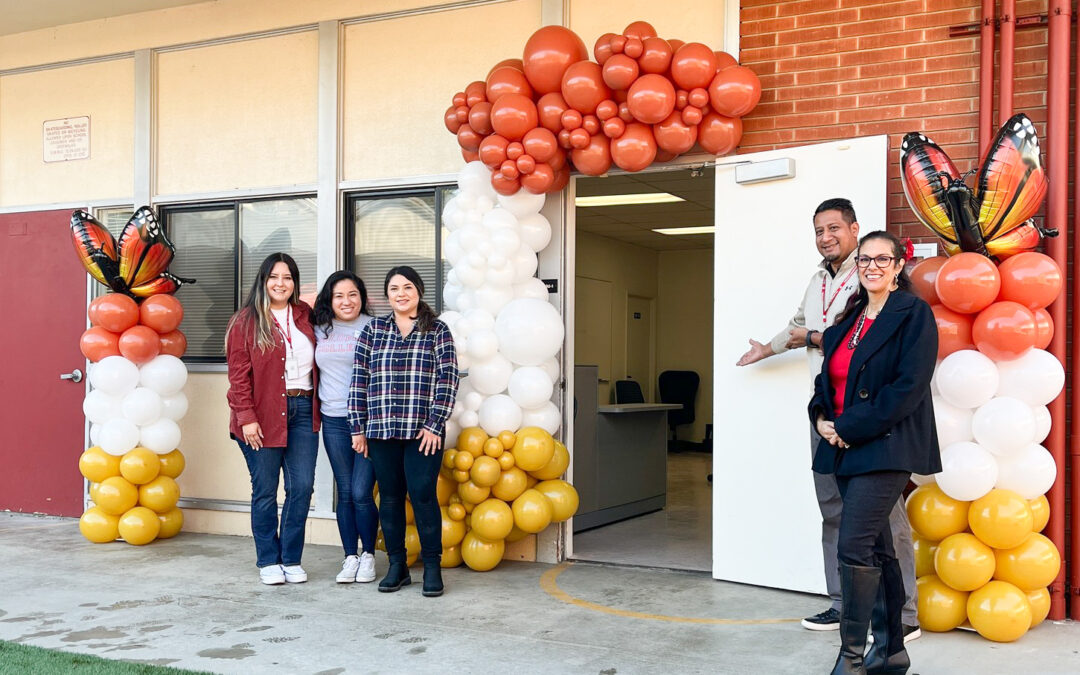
{"x": 1074, "y": 445}
{"x": 1056, "y": 148}
{"x": 986, "y": 77}
{"x": 1008, "y": 40}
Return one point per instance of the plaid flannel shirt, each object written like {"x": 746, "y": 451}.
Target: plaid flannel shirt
{"x": 402, "y": 385}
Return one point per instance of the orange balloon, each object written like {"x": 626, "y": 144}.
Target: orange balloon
{"x": 468, "y": 156}
{"x": 968, "y": 283}
{"x": 173, "y": 344}
{"x": 693, "y": 65}
{"x": 562, "y": 178}
{"x": 602, "y": 48}
{"x": 614, "y": 127}
{"x": 139, "y": 344}
{"x": 513, "y": 63}
{"x": 635, "y": 149}
{"x": 467, "y": 138}
{"x": 503, "y": 185}
{"x": 640, "y": 30}
{"x": 1004, "y": 331}
{"x": 548, "y": 53}
{"x": 480, "y": 118}
{"x": 734, "y": 91}
{"x": 493, "y": 151}
{"x": 550, "y": 108}
{"x": 540, "y": 179}
{"x": 655, "y": 56}
{"x": 923, "y": 276}
{"x": 97, "y": 343}
{"x": 1030, "y": 278}
{"x": 595, "y": 158}
{"x": 450, "y": 120}
{"x": 512, "y": 116}
{"x": 1044, "y": 328}
{"x": 651, "y": 98}
{"x": 954, "y": 330}
{"x": 583, "y": 87}
{"x": 161, "y": 312}
{"x": 113, "y": 312}
{"x": 540, "y": 143}
{"x": 724, "y": 60}
{"x": 476, "y": 92}
{"x": 620, "y": 71}
{"x": 717, "y": 134}
{"x": 507, "y": 80}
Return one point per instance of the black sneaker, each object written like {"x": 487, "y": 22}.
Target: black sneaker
{"x": 827, "y": 620}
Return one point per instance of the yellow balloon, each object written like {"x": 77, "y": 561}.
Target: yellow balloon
{"x": 172, "y": 463}
{"x": 934, "y": 514}
{"x": 160, "y": 494}
{"x": 1001, "y": 518}
{"x": 941, "y": 608}
{"x": 380, "y": 543}
{"x": 507, "y": 438}
{"x": 506, "y": 461}
{"x": 461, "y": 476}
{"x": 1030, "y": 566}
{"x": 171, "y": 523}
{"x": 1039, "y": 600}
{"x": 93, "y": 490}
{"x": 493, "y": 448}
{"x": 924, "y": 555}
{"x": 451, "y": 557}
{"x": 116, "y": 496}
{"x": 98, "y": 526}
{"x": 139, "y": 526}
{"x": 444, "y": 488}
{"x": 448, "y": 458}
{"x": 96, "y": 465}
{"x": 468, "y": 506}
{"x": 410, "y": 514}
{"x": 532, "y": 511}
{"x": 492, "y": 519}
{"x": 140, "y": 466}
{"x": 512, "y": 482}
{"x": 471, "y": 493}
{"x": 533, "y": 448}
{"x": 530, "y": 481}
{"x": 516, "y": 534}
{"x": 555, "y": 468}
{"x": 963, "y": 562}
{"x": 999, "y": 611}
{"x": 453, "y": 531}
{"x": 412, "y": 541}
{"x": 456, "y": 511}
{"x": 463, "y": 461}
{"x": 1040, "y": 512}
{"x": 485, "y": 471}
{"x": 471, "y": 440}
{"x": 563, "y": 497}
{"x": 480, "y": 554}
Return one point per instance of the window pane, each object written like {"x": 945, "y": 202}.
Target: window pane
{"x": 280, "y": 225}
{"x": 445, "y": 194}
{"x": 114, "y": 220}
{"x": 205, "y": 250}
{"x": 395, "y": 231}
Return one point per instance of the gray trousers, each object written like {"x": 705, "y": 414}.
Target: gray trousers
{"x": 828, "y": 497}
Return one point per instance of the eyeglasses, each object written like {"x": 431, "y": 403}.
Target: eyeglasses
{"x": 881, "y": 261}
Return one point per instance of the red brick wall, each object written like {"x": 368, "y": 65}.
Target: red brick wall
{"x": 834, "y": 69}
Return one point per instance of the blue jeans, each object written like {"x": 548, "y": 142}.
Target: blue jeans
{"x": 401, "y": 468}
{"x": 357, "y": 515}
{"x": 297, "y": 459}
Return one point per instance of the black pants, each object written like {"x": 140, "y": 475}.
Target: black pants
{"x": 400, "y": 467}
{"x": 865, "y": 537}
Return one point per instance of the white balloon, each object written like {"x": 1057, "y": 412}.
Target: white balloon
{"x": 967, "y": 378}
{"x": 466, "y": 300}
{"x": 551, "y": 367}
{"x": 477, "y": 260}
{"x": 499, "y": 413}
{"x": 535, "y": 231}
{"x": 530, "y": 331}
{"x": 450, "y": 319}
{"x": 491, "y": 375}
{"x": 464, "y": 387}
{"x": 165, "y": 374}
{"x": 469, "y": 419}
{"x": 500, "y": 219}
{"x": 482, "y": 344}
{"x": 1029, "y": 472}
{"x": 463, "y": 360}
{"x": 486, "y": 201}
{"x": 452, "y": 248}
{"x": 934, "y": 389}
{"x": 531, "y": 288}
{"x": 95, "y": 435}
{"x": 546, "y": 417}
{"x": 480, "y": 320}
{"x": 1042, "y": 422}
{"x": 475, "y": 179}
{"x": 115, "y": 375}
{"x": 1036, "y": 378}
{"x": 470, "y": 277}
{"x": 142, "y": 406}
{"x": 501, "y": 274}
{"x": 450, "y": 294}
{"x": 453, "y": 430}
{"x": 920, "y": 479}
{"x": 162, "y": 436}
{"x": 524, "y": 262}
{"x": 1004, "y": 425}
{"x": 968, "y": 471}
{"x": 953, "y": 424}
{"x": 174, "y": 406}
{"x": 100, "y": 407}
{"x": 118, "y": 436}
{"x": 522, "y": 203}
{"x": 530, "y": 387}
{"x": 471, "y": 236}
{"x": 505, "y": 241}
{"x": 493, "y": 298}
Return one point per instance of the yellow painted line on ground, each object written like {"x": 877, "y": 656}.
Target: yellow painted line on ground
{"x": 548, "y": 582}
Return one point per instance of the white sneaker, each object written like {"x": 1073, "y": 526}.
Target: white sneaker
{"x": 366, "y": 572}
{"x": 272, "y": 575}
{"x": 294, "y": 574}
{"x": 347, "y": 575}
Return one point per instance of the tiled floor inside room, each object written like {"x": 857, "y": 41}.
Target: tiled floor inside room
{"x": 678, "y": 537}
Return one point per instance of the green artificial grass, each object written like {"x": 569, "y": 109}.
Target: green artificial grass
{"x": 22, "y": 659}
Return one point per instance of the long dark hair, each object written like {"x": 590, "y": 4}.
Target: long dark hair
{"x": 323, "y": 313}
{"x": 425, "y": 316}
{"x": 903, "y": 282}
{"x": 257, "y": 305}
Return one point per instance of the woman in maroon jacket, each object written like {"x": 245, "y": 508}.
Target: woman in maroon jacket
{"x": 274, "y": 412}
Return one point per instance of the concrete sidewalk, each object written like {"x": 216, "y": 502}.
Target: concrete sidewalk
{"x": 195, "y": 602}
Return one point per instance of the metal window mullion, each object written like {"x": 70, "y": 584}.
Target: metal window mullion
{"x": 438, "y": 250}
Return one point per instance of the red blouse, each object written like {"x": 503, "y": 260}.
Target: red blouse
{"x": 841, "y": 362}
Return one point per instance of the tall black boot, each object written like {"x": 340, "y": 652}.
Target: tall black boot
{"x": 859, "y": 589}
{"x": 888, "y": 655}
{"x": 433, "y": 586}
{"x": 396, "y": 577}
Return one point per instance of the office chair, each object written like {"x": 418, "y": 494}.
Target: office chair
{"x": 679, "y": 387}
{"x": 628, "y": 391}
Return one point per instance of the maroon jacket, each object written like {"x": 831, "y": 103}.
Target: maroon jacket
{"x": 257, "y": 381}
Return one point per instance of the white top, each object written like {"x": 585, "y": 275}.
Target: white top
{"x": 299, "y": 352}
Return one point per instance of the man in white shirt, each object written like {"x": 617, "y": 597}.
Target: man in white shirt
{"x": 836, "y": 235}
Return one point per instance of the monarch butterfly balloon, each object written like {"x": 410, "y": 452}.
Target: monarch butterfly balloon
{"x": 135, "y": 263}
{"x": 1010, "y": 185}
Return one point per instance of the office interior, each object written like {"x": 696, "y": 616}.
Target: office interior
{"x": 643, "y": 303}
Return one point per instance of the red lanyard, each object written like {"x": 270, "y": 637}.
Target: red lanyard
{"x": 287, "y": 331}
{"x": 825, "y": 308}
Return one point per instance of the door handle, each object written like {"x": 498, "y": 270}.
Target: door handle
{"x": 75, "y": 376}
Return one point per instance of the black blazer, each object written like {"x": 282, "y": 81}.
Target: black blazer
{"x": 888, "y": 417}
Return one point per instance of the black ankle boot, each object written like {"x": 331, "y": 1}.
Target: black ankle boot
{"x": 396, "y": 577}
{"x": 888, "y": 655}
{"x": 433, "y": 586}
{"x": 859, "y": 590}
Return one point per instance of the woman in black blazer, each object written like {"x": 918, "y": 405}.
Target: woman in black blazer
{"x": 873, "y": 409}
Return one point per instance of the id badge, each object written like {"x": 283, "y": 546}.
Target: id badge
{"x": 292, "y": 368}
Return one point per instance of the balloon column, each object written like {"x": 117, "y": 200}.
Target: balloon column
{"x": 643, "y": 99}
{"x": 979, "y": 553}
{"x": 137, "y": 381}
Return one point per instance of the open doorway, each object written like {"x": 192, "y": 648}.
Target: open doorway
{"x": 643, "y": 304}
